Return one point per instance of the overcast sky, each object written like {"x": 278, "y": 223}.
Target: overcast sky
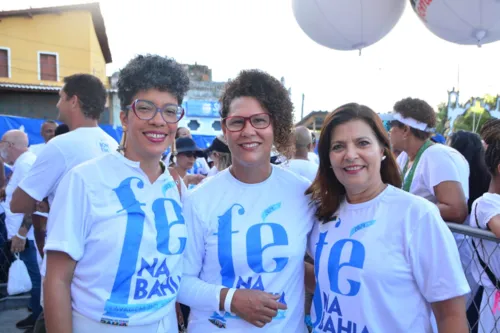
{"x": 230, "y": 35}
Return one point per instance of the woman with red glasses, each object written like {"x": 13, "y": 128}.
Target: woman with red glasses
{"x": 116, "y": 232}
{"x": 248, "y": 225}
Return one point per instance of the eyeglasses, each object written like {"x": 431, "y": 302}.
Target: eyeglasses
{"x": 147, "y": 110}
{"x": 5, "y": 144}
{"x": 237, "y": 123}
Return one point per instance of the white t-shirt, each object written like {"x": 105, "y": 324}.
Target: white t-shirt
{"x": 127, "y": 236}
{"x": 380, "y": 263}
{"x": 439, "y": 163}
{"x": 248, "y": 236}
{"x": 60, "y": 155}
{"x": 213, "y": 171}
{"x": 200, "y": 167}
{"x": 313, "y": 157}
{"x": 304, "y": 168}
{"x": 486, "y": 207}
{"x": 37, "y": 148}
{"x": 19, "y": 170}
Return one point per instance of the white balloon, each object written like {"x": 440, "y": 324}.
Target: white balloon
{"x": 467, "y": 22}
{"x": 347, "y": 24}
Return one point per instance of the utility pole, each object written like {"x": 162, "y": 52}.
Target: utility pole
{"x": 302, "y": 108}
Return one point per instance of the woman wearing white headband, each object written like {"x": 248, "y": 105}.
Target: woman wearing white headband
{"x": 430, "y": 170}
{"x": 433, "y": 171}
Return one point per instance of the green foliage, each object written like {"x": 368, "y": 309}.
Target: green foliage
{"x": 473, "y": 118}
{"x": 442, "y": 118}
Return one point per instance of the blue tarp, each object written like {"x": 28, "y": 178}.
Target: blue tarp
{"x": 32, "y": 128}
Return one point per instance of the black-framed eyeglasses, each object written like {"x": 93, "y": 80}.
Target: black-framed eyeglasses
{"x": 147, "y": 110}
{"x": 237, "y": 123}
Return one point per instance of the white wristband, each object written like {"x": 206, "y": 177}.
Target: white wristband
{"x": 21, "y": 237}
{"x": 229, "y": 299}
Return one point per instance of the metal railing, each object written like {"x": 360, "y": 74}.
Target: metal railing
{"x": 483, "y": 303}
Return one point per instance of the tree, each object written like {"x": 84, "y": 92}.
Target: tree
{"x": 473, "y": 119}
{"x": 442, "y": 118}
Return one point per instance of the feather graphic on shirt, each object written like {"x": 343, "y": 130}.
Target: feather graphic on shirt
{"x": 218, "y": 320}
{"x": 269, "y": 210}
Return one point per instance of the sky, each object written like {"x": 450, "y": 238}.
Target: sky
{"x": 231, "y": 35}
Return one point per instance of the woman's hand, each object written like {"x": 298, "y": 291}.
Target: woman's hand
{"x": 255, "y": 306}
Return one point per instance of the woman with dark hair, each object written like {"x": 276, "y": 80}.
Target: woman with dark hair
{"x": 116, "y": 233}
{"x": 435, "y": 172}
{"x": 485, "y": 215}
{"x": 248, "y": 225}
{"x": 470, "y": 146}
{"x": 383, "y": 259}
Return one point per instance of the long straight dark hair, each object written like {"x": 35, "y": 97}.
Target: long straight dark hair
{"x": 326, "y": 191}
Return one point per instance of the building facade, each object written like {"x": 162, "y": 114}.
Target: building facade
{"x": 39, "y": 47}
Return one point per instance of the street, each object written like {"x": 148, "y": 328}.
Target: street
{"x": 9, "y": 318}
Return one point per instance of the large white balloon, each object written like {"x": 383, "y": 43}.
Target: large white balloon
{"x": 347, "y": 24}
{"x": 468, "y": 22}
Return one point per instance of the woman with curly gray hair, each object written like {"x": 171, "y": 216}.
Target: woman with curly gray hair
{"x": 116, "y": 221}
{"x": 248, "y": 224}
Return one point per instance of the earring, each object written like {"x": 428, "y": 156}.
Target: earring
{"x": 124, "y": 128}
{"x": 383, "y": 157}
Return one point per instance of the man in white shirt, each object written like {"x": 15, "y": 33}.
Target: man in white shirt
{"x": 300, "y": 164}
{"x": 14, "y": 150}
{"x": 47, "y": 132}
{"x": 81, "y": 102}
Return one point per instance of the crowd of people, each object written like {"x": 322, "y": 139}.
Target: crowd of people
{"x": 265, "y": 230}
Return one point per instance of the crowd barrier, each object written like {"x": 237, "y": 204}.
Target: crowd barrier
{"x": 483, "y": 304}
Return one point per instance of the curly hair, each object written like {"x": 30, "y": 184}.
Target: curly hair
{"x": 146, "y": 72}
{"x": 419, "y": 110}
{"x": 90, "y": 92}
{"x": 272, "y": 96}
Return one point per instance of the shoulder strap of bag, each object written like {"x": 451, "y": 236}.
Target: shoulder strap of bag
{"x": 177, "y": 179}
{"x": 485, "y": 267}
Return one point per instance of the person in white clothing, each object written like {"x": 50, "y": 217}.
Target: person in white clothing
{"x": 185, "y": 155}
{"x": 469, "y": 145}
{"x": 81, "y": 102}
{"x": 311, "y": 155}
{"x": 116, "y": 234}
{"x": 486, "y": 215}
{"x": 430, "y": 170}
{"x": 14, "y": 150}
{"x": 47, "y": 132}
{"x": 220, "y": 154}
{"x": 248, "y": 225}
{"x": 382, "y": 257}
{"x": 435, "y": 172}
{"x": 300, "y": 164}
{"x": 200, "y": 166}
